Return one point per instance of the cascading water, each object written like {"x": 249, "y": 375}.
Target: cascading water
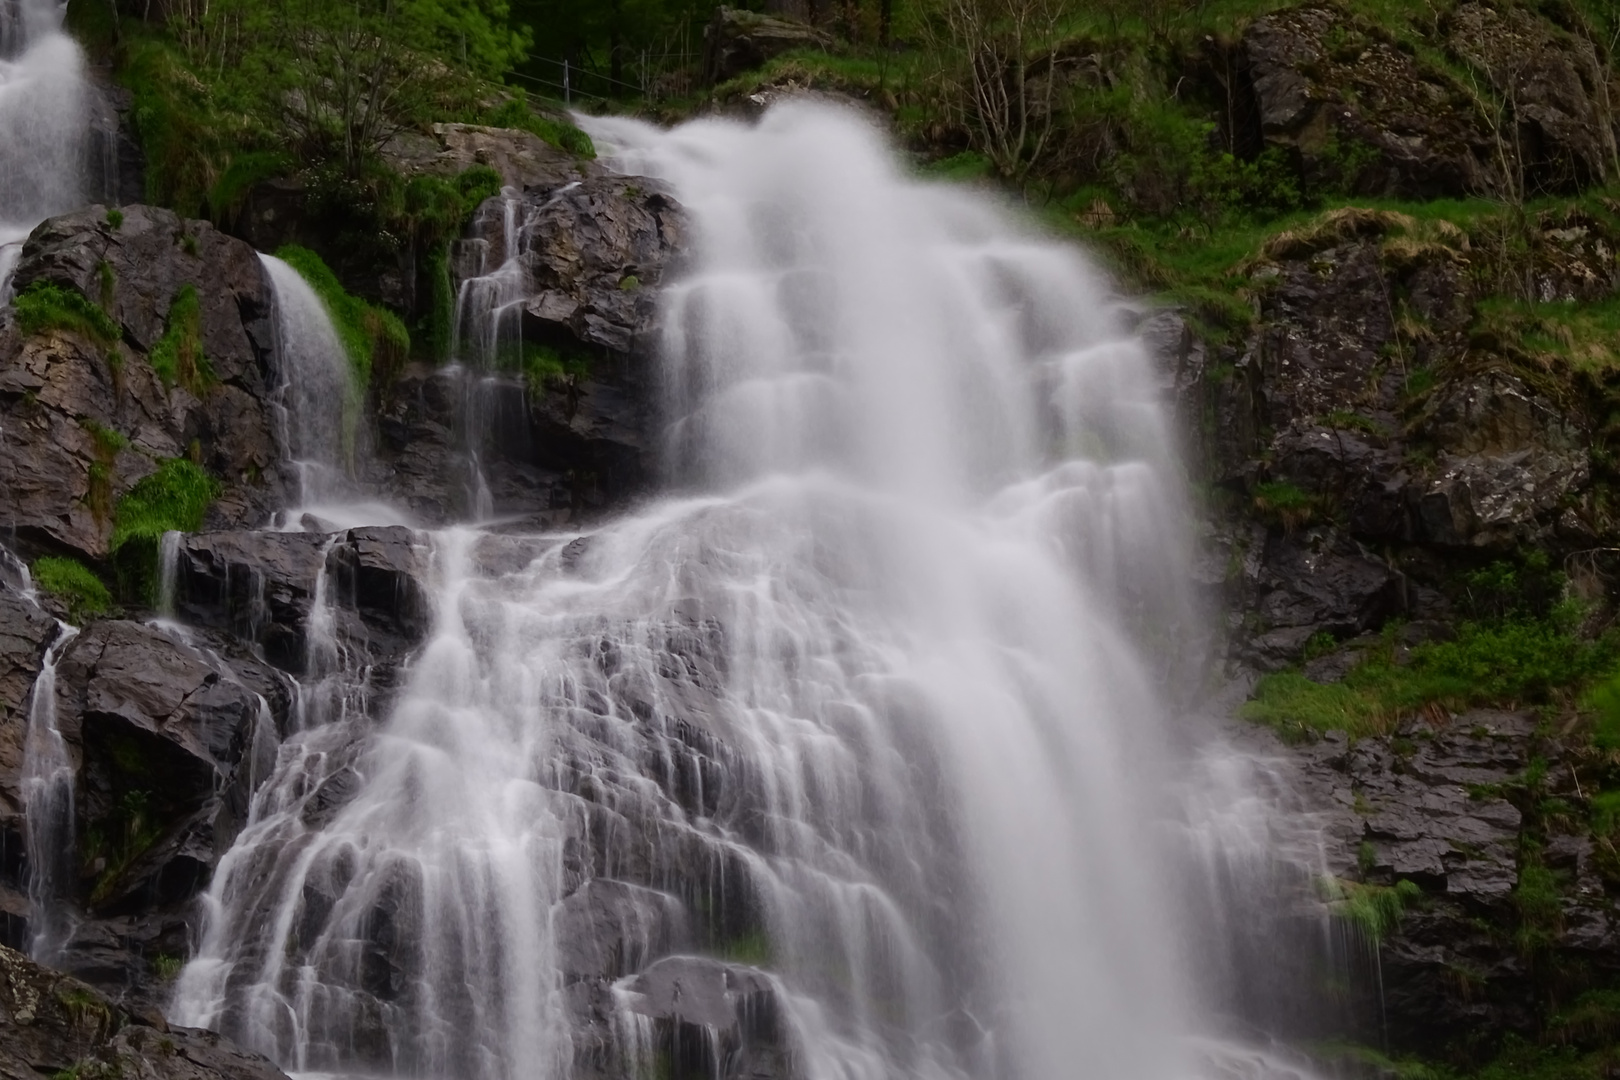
{"x": 865, "y": 703}
{"x": 317, "y": 406}
{"x": 44, "y": 136}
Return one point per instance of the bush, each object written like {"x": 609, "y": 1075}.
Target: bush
{"x": 75, "y": 584}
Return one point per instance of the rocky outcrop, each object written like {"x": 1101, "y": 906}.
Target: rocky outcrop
{"x": 551, "y": 443}
{"x": 523, "y": 159}
{"x": 1375, "y": 440}
{"x": 1555, "y": 90}
{"x": 85, "y": 420}
{"x": 53, "y": 1025}
{"x": 1361, "y": 114}
{"x": 736, "y": 40}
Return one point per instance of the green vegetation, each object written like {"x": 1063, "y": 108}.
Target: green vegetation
{"x": 178, "y": 355}
{"x": 167, "y": 967}
{"x": 175, "y": 498}
{"x": 75, "y": 585}
{"x": 115, "y": 218}
{"x": 1374, "y": 910}
{"x": 43, "y": 308}
{"x": 372, "y": 337}
{"x": 1285, "y": 504}
{"x": 1518, "y": 661}
{"x": 1536, "y": 899}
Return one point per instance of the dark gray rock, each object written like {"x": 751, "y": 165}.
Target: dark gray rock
{"x": 1316, "y": 582}
{"x": 51, "y": 1024}
{"x": 59, "y": 392}
{"x": 1359, "y": 112}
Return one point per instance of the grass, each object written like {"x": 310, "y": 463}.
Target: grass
{"x": 173, "y": 499}
{"x": 1285, "y": 504}
{"x": 1510, "y": 662}
{"x": 371, "y": 336}
{"x": 513, "y": 113}
{"x": 1374, "y": 910}
{"x": 1540, "y": 909}
{"x": 167, "y": 967}
{"x": 75, "y": 585}
{"x": 44, "y": 308}
{"x": 178, "y": 356}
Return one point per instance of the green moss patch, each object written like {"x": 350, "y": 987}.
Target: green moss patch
{"x": 75, "y": 585}
{"x": 178, "y": 356}
{"x": 42, "y": 308}
{"x": 1508, "y": 662}
{"x": 173, "y": 499}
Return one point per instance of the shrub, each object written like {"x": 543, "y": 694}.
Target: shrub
{"x": 75, "y": 584}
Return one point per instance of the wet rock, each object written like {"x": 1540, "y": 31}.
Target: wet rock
{"x": 735, "y": 41}
{"x": 256, "y": 585}
{"x": 261, "y": 587}
{"x": 84, "y": 423}
{"x": 51, "y": 1024}
{"x": 1360, "y": 113}
{"x": 711, "y": 1018}
{"x": 162, "y": 730}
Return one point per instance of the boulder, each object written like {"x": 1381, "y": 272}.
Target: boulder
{"x": 736, "y": 41}
{"x": 261, "y": 587}
{"x": 710, "y": 1018}
{"x": 51, "y": 1024}
{"x": 85, "y": 422}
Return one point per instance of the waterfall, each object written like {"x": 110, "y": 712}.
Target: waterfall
{"x": 44, "y": 137}
{"x": 317, "y": 409}
{"x": 870, "y": 710}
{"x": 47, "y": 788}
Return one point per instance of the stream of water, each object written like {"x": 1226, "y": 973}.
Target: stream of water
{"x": 44, "y": 136}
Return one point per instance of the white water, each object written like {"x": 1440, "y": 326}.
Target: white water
{"x": 44, "y": 135}
{"x": 47, "y": 790}
{"x": 868, "y": 693}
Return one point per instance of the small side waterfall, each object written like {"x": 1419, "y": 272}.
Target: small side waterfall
{"x": 47, "y": 786}
{"x": 44, "y": 137}
{"x": 315, "y": 391}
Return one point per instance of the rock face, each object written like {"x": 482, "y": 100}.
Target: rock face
{"x": 1375, "y": 441}
{"x": 1438, "y": 804}
{"x": 737, "y": 40}
{"x": 85, "y": 421}
{"x": 523, "y": 159}
{"x": 1360, "y": 113}
{"x": 563, "y": 442}
{"x": 51, "y": 1024}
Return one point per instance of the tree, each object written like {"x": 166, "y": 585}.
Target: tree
{"x": 992, "y": 53}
